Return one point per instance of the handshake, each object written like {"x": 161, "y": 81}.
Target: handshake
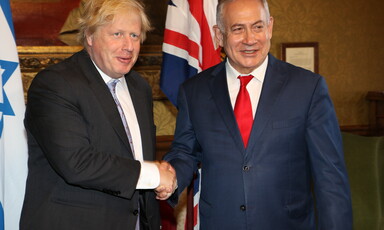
{"x": 168, "y": 182}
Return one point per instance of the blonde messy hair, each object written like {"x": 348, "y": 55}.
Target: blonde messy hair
{"x": 101, "y": 12}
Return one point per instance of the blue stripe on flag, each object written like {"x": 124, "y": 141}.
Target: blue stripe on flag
{"x": 175, "y": 70}
{"x": 196, "y": 183}
{"x": 1, "y": 216}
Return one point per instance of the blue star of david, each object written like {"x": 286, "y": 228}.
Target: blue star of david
{"x": 6, "y": 70}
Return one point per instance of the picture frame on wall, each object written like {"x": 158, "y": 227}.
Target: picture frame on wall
{"x": 302, "y": 54}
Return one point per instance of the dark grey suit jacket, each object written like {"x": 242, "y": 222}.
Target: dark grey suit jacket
{"x": 81, "y": 169}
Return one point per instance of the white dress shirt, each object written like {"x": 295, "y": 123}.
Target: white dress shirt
{"x": 254, "y": 86}
{"x": 149, "y": 174}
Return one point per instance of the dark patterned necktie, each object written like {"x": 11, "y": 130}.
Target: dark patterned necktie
{"x": 112, "y": 87}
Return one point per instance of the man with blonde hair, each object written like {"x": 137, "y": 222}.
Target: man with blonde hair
{"x": 91, "y": 134}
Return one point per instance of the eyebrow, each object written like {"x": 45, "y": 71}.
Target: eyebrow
{"x": 242, "y": 24}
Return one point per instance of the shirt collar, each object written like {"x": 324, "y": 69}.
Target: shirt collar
{"x": 258, "y": 73}
{"x": 105, "y": 77}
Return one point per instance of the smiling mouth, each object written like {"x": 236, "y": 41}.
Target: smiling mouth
{"x": 124, "y": 60}
{"x": 249, "y": 51}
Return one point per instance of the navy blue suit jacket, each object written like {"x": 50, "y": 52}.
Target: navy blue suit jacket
{"x": 295, "y": 148}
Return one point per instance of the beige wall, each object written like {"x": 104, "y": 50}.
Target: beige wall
{"x": 351, "y": 53}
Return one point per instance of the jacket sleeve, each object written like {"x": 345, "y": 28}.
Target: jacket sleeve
{"x": 183, "y": 153}
{"x": 331, "y": 186}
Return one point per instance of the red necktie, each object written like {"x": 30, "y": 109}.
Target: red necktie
{"x": 243, "y": 109}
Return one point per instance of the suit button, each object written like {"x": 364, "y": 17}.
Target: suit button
{"x": 243, "y": 208}
{"x": 135, "y": 212}
{"x": 245, "y": 168}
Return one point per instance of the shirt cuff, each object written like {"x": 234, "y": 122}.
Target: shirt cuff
{"x": 149, "y": 176}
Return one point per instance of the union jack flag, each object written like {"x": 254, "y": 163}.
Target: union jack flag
{"x": 188, "y": 49}
{"x": 188, "y": 46}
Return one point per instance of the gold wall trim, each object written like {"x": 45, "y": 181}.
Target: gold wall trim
{"x": 25, "y": 50}
{"x": 33, "y": 59}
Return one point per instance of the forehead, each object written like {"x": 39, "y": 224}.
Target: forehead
{"x": 243, "y": 12}
{"x": 125, "y": 19}
{"x": 126, "y": 15}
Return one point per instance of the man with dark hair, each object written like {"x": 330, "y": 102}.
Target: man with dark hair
{"x": 265, "y": 133}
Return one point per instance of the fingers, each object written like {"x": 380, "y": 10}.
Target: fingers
{"x": 167, "y": 177}
{"x": 168, "y": 182}
{"x": 166, "y": 166}
{"x": 163, "y": 196}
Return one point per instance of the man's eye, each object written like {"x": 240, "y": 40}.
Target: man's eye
{"x": 117, "y": 34}
{"x": 258, "y": 27}
{"x": 237, "y": 29}
{"x": 133, "y": 35}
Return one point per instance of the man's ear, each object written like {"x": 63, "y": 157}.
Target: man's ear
{"x": 270, "y": 27}
{"x": 89, "y": 38}
{"x": 218, "y": 36}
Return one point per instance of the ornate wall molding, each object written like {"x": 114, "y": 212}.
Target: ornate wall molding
{"x": 35, "y": 58}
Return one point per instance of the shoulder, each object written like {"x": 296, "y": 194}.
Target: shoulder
{"x": 275, "y": 64}
{"x": 206, "y": 75}
{"x": 289, "y": 73}
{"x": 69, "y": 67}
{"x": 66, "y": 75}
{"x": 137, "y": 81}
{"x": 133, "y": 77}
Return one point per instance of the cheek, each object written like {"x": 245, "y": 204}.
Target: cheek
{"x": 236, "y": 41}
{"x": 267, "y": 36}
{"x": 104, "y": 54}
{"x": 231, "y": 44}
{"x": 137, "y": 48}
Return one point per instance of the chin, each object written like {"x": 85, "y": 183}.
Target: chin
{"x": 125, "y": 70}
{"x": 252, "y": 65}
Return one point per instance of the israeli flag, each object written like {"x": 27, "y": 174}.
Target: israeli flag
{"x": 13, "y": 143}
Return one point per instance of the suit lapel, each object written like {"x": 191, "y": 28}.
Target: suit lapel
{"x": 219, "y": 89}
{"x": 102, "y": 93}
{"x": 272, "y": 86}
